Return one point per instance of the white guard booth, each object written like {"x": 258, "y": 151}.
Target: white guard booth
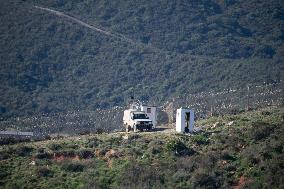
{"x": 151, "y": 113}
{"x": 184, "y": 120}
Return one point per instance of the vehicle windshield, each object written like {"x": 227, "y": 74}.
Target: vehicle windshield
{"x": 139, "y": 116}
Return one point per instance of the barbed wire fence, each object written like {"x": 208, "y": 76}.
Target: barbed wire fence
{"x": 231, "y": 101}
{"x": 205, "y": 104}
{"x": 67, "y": 123}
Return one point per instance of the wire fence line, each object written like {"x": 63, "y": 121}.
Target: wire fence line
{"x": 229, "y": 101}
{"x": 204, "y": 104}
{"x": 67, "y": 123}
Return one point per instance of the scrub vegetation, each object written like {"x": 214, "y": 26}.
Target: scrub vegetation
{"x": 50, "y": 64}
{"x": 242, "y": 151}
{"x": 58, "y": 76}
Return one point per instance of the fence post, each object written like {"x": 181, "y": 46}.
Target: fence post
{"x": 248, "y": 96}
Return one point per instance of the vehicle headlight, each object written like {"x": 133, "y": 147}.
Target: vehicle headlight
{"x": 138, "y": 122}
{"x": 150, "y": 122}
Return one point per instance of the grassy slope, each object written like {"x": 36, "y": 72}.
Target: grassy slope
{"x": 49, "y": 64}
{"x": 249, "y": 153}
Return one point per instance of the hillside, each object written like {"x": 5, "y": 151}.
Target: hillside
{"x": 240, "y": 151}
{"x": 51, "y": 64}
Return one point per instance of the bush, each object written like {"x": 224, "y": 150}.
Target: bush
{"x": 85, "y": 132}
{"x": 114, "y": 140}
{"x": 43, "y": 155}
{"x": 179, "y": 148}
{"x": 8, "y": 140}
{"x": 278, "y": 149}
{"x": 47, "y": 137}
{"x": 251, "y": 155}
{"x": 181, "y": 176}
{"x": 200, "y": 139}
{"x": 85, "y": 154}
{"x": 12, "y": 140}
{"x": 265, "y": 113}
{"x": 24, "y": 150}
{"x": 3, "y": 175}
{"x": 4, "y": 172}
{"x": 92, "y": 143}
{"x": 139, "y": 175}
{"x": 155, "y": 147}
{"x": 204, "y": 179}
{"x": 100, "y": 131}
{"x": 55, "y": 146}
{"x": 44, "y": 172}
{"x": 4, "y": 155}
{"x": 73, "y": 166}
{"x": 260, "y": 130}
{"x": 72, "y": 146}
{"x": 133, "y": 136}
{"x": 66, "y": 153}
{"x": 227, "y": 156}
{"x": 154, "y": 150}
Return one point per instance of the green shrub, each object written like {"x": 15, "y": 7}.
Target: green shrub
{"x": 181, "y": 176}
{"x": 179, "y": 148}
{"x": 93, "y": 143}
{"x": 260, "y": 130}
{"x": 85, "y": 154}
{"x": 134, "y": 151}
{"x": 278, "y": 149}
{"x": 4, "y": 172}
{"x": 12, "y": 140}
{"x": 66, "y": 153}
{"x": 73, "y": 166}
{"x": 43, "y": 155}
{"x": 266, "y": 113}
{"x": 154, "y": 150}
{"x": 200, "y": 139}
{"x": 133, "y": 136}
{"x": 72, "y": 146}
{"x": 205, "y": 179}
{"x": 85, "y": 132}
{"x": 44, "y": 172}
{"x": 4, "y": 155}
{"x": 55, "y": 146}
{"x": 226, "y": 155}
{"x": 139, "y": 175}
{"x": 24, "y": 150}
{"x": 155, "y": 147}
{"x": 41, "y": 150}
{"x": 8, "y": 140}
{"x": 251, "y": 155}
{"x": 174, "y": 145}
{"x": 100, "y": 131}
